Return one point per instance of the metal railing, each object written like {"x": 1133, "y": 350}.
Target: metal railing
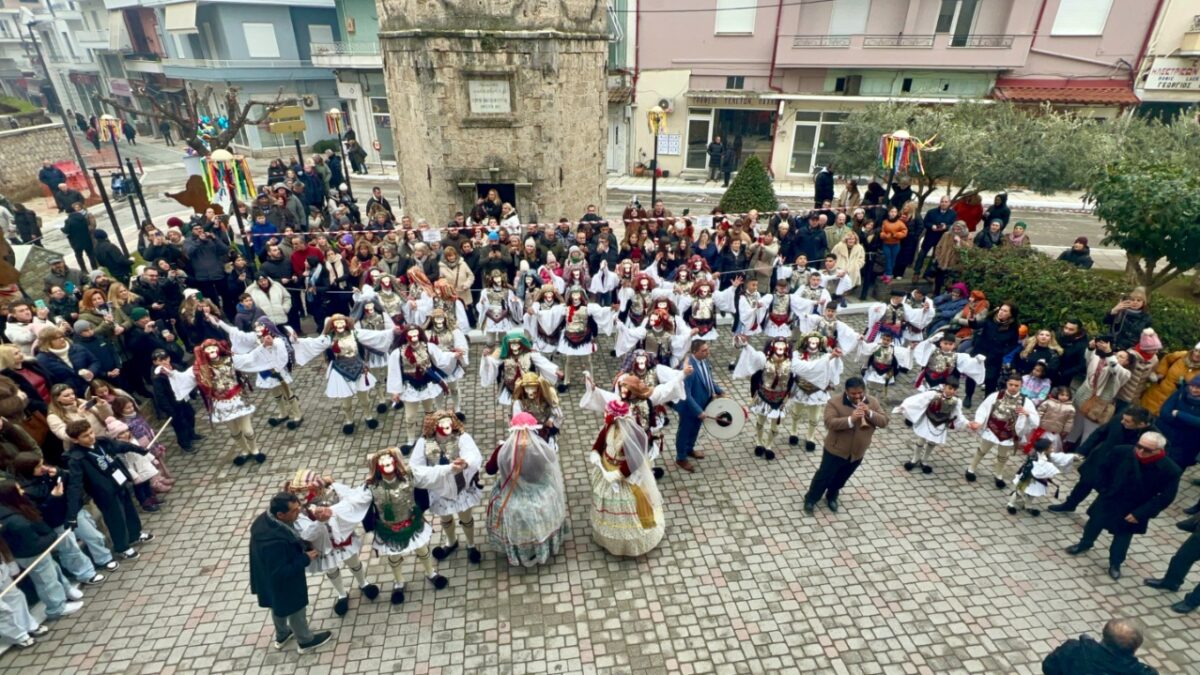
{"x": 982, "y": 41}
{"x": 831, "y": 41}
{"x": 345, "y": 48}
{"x": 236, "y": 63}
{"x": 917, "y": 41}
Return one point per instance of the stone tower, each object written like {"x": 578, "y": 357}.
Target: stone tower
{"x": 508, "y": 94}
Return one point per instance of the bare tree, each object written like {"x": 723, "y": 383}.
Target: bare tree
{"x": 186, "y": 117}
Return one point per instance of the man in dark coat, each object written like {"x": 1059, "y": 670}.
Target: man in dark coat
{"x": 1177, "y": 570}
{"x": 1121, "y": 431}
{"x": 207, "y": 250}
{"x": 111, "y": 258}
{"x": 79, "y": 235}
{"x": 1114, "y": 654}
{"x": 823, "y": 187}
{"x": 1073, "y": 363}
{"x": 1079, "y": 255}
{"x": 94, "y": 468}
{"x": 51, "y": 176}
{"x": 715, "y": 150}
{"x": 105, "y": 361}
{"x": 278, "y": 558}
{"x": 1139, "y": 482}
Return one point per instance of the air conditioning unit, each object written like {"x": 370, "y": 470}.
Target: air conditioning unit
{"x": 310, "y": 102}
{"x": 666, "y": 104}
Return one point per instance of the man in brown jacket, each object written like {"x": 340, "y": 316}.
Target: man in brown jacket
{"x": 851, "y": 419}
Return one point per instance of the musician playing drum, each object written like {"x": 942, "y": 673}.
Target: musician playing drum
{"x": 701, "y": 386}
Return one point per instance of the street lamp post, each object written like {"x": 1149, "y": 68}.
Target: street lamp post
{"x": 336, "y": 116}
{"x": 657, "y": 117}
{"x": 62, "y": 113}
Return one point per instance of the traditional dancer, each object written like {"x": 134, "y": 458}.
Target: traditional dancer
{"x": 1035, "y": 476}
{"x": 700, "y": 309}
{"x": 275, "y": 375}
{"x": 527, "y": 510}
{"x": 368, "y": 314}
{"x": 817, "y": 371}
{"x": 346, "y": 375}
{"x": 627, "y": 513}
{"x": 443, "y": 442}
{"x": 441, "y": 331}
{"x": 885, "y": 360}
{"x": 889, "y": 315}
{"x": 772, "y": 374}
{"x": 545, "y": 320}
{"x": 393, "y": 295}
{"x": 1003, "y": 418}
{"x": 498, "y": 308}
{"x": 636, "y": 300}
{"x": 918, "y": 314}
{"x": 415, "y": 377}
{"x": 511, "y": 360}
{"x": 834, "y": 332}
{"x": 536, "y": 396}
{"x": 640, "y": 380}
{"x": 749, "y": 308}
{"x": 783, "y": 311}
{"x": 931, "y": 413}
{"x": 399, "y": 498}
{"x": 661, "y": 334}
{"x": 330, "y": 513}
{"x": 811, "y": 297}
{"x": 939, "y": 361}
{"x": 583, "y": 321}
{"x": 215, "y": 373}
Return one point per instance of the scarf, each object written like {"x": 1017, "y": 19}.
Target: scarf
{"x": 61, "y": 353}
{"x": 1145, "y": 460}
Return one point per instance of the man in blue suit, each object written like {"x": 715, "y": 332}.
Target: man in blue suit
{"x": 701, "y": 387}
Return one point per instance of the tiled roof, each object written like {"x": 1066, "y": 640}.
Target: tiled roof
{"x": 1066, "y": 94}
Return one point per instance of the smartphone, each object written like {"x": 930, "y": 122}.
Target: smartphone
{"x": 40, "y": 304}
{"x": 90, "y": 404}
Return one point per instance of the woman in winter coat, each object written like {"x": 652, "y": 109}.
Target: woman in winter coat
{"x": 1174, "y": 371}
{"x": 892, "y": 233}
{"x": 995, "y": 336}
{"x": 851, "y": 256}
{"x": 1129, "y": 317}
{"x": 1143, "y": 359}
{"x": 456, "y": 272}
{"x": 1106, "y": 374}
{"x": 1079, "y": 254}
{"x": 1042, "y": 347}
{"x": 55, "y": 354}
{"x": 999, "y": 211}
{"x": 947, "y": 306}
{"x": 66, "y": 407}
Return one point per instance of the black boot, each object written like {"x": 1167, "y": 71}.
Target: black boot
{"x": 371, "y": 591}
{"x": 398, "y": 596}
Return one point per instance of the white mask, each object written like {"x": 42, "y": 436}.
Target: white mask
{"x": 444, "y": 426}
{"x": 387, "y": 465}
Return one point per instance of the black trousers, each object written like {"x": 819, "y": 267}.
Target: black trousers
{"x": 90, "y": 254}
{"x": 121, "y": 518}
{"x": 1181, "y": 564}
{"x": 1082, "y": 489}
{"x": 830, "y": 477}
{"x": 183, "y": 423}
{"x": 1120, "y": 543}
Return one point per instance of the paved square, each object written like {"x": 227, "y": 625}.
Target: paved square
{"x": 916, "y": 574}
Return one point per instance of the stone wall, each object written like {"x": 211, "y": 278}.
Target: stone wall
{"x": 21, "y": 155}
{"x": 550, "y": 144}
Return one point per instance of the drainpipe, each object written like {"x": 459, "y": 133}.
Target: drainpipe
{"x": 773, "y": 87}
{"x": 1137, "y": 66}
{"x": 637, "y": 50}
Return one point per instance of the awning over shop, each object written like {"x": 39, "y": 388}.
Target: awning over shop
{"x": 181, "y": 18}
{"x": 1065, "y": 92}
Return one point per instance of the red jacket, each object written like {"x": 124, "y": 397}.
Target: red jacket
{"x": 300, "y": 258}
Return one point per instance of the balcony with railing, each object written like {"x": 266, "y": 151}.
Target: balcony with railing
{"x": 363, "y": 55}
{"x": 92, "y": 39}
{"x": 239, "y": 70}
{"x": 952, "y": 52}
{"x": 143, "y": 62}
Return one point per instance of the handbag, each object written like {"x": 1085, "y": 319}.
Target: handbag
{"x": 1098, "y": 410}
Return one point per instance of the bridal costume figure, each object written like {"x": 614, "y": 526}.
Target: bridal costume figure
{"x": 527, "y": 508}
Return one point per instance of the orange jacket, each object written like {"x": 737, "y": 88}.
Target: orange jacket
{"x": 893, "y": 232}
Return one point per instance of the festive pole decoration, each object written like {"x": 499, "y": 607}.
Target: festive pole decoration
{"x": 901, "y": 153}
{"x": 225, "y": 175}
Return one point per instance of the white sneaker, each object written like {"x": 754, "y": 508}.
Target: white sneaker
{"x": 70, "y": 608}
{"x": 74, "y": 593}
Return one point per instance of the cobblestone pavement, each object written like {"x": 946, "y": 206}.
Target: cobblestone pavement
{"x": 916, "y": 574}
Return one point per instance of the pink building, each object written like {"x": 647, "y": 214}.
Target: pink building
{"x": 774, "y": 77}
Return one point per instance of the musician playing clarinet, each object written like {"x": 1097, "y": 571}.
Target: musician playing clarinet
{"x": 851, "y": 420}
